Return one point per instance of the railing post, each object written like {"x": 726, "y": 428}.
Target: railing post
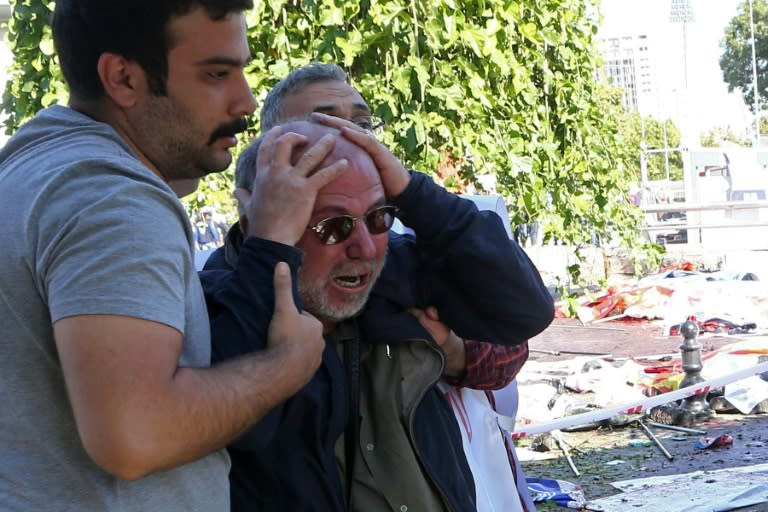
{"x": 694, "y": 408}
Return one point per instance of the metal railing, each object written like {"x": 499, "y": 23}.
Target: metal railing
{"x": 693, "y": 207}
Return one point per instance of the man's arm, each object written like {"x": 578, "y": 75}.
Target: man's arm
{"x": 490, "y": 366}
{"x": 137, "y": 412}
{"x": 118, "y": 322}
{"x": 470, "y": 363}
{"x": 461, "y": 261}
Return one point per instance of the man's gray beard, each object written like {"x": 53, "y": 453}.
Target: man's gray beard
{"x": 315, "y": 299}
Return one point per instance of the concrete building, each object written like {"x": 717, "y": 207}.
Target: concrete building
{"x": 629, "y": 65}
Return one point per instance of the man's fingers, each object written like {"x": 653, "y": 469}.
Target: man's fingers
{"x": 334, "y": 122}
{"x": 418, "y": 313}
{"x": 266, "y": 148}
{"x": 381, "y": 156}
{"x": 315, "y": 154}
{"x": 283, "y": 294}
{"x": 432, "y": 314}
{"x": 394, "y": 176}
{"x": 360, "y": 137}
{"x": 327, "y": 174}
{"x": 284, "y": 147}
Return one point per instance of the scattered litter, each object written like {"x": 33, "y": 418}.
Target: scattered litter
{"x": 593, "y": 393}
{"x": 717, "y": 442}
{"x": 676, "y": 427}
{"x": 718, "y": 325}
{"x": 716, "y": 491}
{"x": 560, "y": 492}
{"x": 543, "y": 443}
{"x": 655, "y": 440}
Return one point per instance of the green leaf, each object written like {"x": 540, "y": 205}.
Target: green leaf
{"x": 467, "y": 88}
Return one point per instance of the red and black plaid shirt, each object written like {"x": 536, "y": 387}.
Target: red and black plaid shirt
{"x": 490, "y": 366}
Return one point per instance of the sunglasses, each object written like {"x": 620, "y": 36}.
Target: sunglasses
{"x": 334, "y": 230}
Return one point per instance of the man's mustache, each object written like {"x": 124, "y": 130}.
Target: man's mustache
{"x": 229, "y": 129}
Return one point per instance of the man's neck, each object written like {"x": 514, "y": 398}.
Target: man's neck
{"x": 328, "y": 326}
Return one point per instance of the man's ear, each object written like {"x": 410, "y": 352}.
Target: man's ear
{"x": 123, "y": 80}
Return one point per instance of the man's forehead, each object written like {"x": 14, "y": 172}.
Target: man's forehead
{"x": 357, "y": 190}
{"x": 327, "y": 96}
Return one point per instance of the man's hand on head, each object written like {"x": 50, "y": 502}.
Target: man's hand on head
{"x": 394, "y": 177}
{"x": 282, "y": 196}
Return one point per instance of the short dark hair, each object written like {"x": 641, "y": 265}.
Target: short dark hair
{"x": 272, "y": 109}
{"x": 245, "y": 168}
{"x": 135, "y": 29}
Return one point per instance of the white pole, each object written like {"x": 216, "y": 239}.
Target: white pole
{"x": 754, "y": 77}
{"x": 685, "y": 58}
{"x": 666, "y": 150}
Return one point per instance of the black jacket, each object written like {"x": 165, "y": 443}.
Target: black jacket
{"x": 462, "y": 262}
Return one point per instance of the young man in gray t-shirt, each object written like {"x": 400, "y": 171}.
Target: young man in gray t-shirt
{"x": 109, "y": 402}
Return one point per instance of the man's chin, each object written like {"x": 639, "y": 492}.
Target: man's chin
{"x": 338, "y": 312}
{"x": 216, "y": 161}
{"x": 184, "y": 187}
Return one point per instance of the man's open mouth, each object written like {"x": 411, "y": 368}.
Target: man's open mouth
{"x": 351, "y": 281}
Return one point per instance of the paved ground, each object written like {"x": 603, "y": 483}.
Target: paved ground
{"x": 619, "y": 338}
{"x": 593, "y": 452}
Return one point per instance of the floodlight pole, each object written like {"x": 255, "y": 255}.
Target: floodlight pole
{"x": 682, "y": 12}
{"x": 754, "y": 77}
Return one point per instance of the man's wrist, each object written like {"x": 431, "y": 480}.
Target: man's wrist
{"x": 455, "y": 357}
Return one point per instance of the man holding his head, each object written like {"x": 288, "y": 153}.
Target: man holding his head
{"x": 323, "y": 88}
{"x": 402, "y": 447}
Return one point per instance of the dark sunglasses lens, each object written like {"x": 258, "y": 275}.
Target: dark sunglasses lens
{"x": 336, "y": 229}
{"x": 380, "y": 220}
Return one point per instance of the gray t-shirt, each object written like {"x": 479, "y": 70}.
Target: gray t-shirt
{"x": 87, "y": 229}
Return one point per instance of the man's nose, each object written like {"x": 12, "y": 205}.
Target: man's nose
{"x": 360, "y": 244}
{"x": 244, "y": 103}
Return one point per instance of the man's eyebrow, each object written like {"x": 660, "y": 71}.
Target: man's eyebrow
{"x": 332, "y": 108}
{"x": 219, "y": 60}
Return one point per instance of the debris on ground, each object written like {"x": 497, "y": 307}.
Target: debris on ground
{"x": 625, "y": 347}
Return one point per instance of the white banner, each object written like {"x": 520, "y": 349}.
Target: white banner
{"x": 508, "y": 423}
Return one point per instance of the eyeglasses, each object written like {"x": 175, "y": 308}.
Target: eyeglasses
{"x": 334, "y": 230}
{"x": 371, "y": 124}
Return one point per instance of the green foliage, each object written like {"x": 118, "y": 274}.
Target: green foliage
{"x": 736, "y": 60}
{"x": 214, "y": 190}
{"x": 655, "y": 136}
{"x": 715, "y": 137}
{"x": 467, "y": 88}
{"x": 35, "y": 79}
{"x": 475, "y": 88}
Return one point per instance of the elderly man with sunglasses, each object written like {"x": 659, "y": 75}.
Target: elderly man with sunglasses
{"x": 404, "y": 450}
